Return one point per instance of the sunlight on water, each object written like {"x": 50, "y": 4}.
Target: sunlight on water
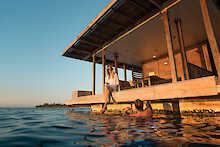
{"x": 62, "y": 127}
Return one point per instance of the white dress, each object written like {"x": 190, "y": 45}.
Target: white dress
{"x": 112, "y": 82}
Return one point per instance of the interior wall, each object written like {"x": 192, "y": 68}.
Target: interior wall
{"x": 193, "y": 32}
{"x": 161, "y": 67}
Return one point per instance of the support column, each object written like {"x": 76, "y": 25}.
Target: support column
{"x": 176, "y": 108}
{"x": 185, "y": 74}
{"x": 203, "y": 64}
{"x": 93, "y": 79}
{"x": 210, "y": 34}
{"x": 116, "y": 63}
{"x": 125, "y": 72}
{"x": 170, "y": 47}
{"x": 206, "y": 57}
{"x": 103, "y": 72}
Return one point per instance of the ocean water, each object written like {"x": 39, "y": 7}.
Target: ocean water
{"x": 42, "y": 127}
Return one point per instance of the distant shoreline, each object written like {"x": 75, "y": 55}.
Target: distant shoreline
{"x": 46, "y": 105}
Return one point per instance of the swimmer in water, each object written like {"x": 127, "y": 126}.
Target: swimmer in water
{"x": 147, "y": 113}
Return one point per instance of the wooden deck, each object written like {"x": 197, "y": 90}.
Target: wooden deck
{"x": 206, "y": 86}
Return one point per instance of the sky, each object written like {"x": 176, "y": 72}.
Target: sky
{"x": 33, "y": 35}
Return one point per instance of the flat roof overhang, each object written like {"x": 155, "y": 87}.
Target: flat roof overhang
{"x": 133, "y": 30}
{"x": 116, "y": 19}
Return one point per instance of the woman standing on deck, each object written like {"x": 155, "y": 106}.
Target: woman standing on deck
{"x": 111, "y": 83}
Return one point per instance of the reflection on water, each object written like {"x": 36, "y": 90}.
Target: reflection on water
{"x": 161, "y": 130}
{"x": 62, "y": 127}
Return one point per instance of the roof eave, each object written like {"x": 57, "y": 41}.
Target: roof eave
{"x": 93, "y": 22}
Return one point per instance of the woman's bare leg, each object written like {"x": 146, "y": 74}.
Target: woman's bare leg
{"x": 107, "y": 99}
{"x": 110, "y": 95}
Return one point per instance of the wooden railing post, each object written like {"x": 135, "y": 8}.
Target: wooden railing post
{"x": 210, "y": 34}
{"x": 103, "y": 72}
{"x": 125, "y": 72}
{"x": 93, "y": 79}
{"x": 170, "y": 47}
{"x": 116, "y": 63}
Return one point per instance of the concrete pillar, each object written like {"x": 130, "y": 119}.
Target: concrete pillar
{"x": 170, "y": 47}
{"x": 176, "y": 108}
{"x": 210, "y": 34}
{"x": 185, "y": 74}
{"x": 205, "y": 54}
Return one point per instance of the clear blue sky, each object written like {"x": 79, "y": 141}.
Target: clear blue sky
{"x": 33, "y": 34}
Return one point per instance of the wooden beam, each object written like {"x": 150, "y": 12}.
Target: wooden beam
{"x": 170, "y": 47}
{"x": 185, "y": 73}
{"x": 105, "y": 32}
{"x": 210, "y": 34}
{"x": 96, "y": 40}
{"x": 119, "y": 64}
{"x": 117, "y": 23}
{"x": 103, "y": 72}
{"x": 206, "y": 57}
{"x": 80, "y": 50}
{"x": 132, "y": 20}
{"x": 76, "y": 53}
{"x": 90, "y": 43}
{"x": 125, "y": 72}
{"x": 155, "y": 4}
{"x": 138, "y": 5}
{"x": 116, "y": 63}
{"x": 100, "y": 36}
{"x": 93, "y": 77}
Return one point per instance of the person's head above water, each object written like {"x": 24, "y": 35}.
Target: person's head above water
{"x": 139, "y": 105}
{"x": 148, "y": 105}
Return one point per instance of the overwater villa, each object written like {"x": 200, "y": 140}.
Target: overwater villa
{"x": 171, "y": 47}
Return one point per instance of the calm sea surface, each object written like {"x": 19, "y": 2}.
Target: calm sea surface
{"x": 21, "y": 127}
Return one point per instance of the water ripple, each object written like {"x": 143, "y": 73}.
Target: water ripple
{"x": 61, "y": 127}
